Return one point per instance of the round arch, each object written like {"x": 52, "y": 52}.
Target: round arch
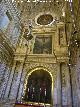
{"x": 39, "y": 79}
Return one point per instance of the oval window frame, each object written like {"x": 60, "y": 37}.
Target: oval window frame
{"x": 44, "y": 14}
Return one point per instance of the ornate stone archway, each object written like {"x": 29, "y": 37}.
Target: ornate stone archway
{"x": 35, "y": 72}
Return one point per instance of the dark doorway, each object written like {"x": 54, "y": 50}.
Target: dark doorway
{"x": 39, "y": 87}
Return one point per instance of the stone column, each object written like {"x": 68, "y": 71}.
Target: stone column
{"x": 68, "y": 85}
{"x": 58, "y": 87}
{"x": 21, "y": 87}
{"x": 55, "y": 93}
{"x": 74, "y": 87}
{"x": 10, "y": 81}
{"x": 66, "y": 88}
{"x": 77, "y": 75}
{"x": 16, "y": 81}
{"x": 6, "y": 77}
{"x": 2, "y": 79}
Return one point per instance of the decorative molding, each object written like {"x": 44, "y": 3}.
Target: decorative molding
{"x": 6, "y": 50}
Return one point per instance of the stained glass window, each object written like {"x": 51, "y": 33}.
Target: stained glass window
{"x": 4, "y": 21}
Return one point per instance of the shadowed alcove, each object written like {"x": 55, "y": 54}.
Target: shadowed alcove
{"x": 38, "y": 87}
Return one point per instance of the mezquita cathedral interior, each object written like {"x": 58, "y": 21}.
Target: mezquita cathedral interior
{"x": 39, "y": 53}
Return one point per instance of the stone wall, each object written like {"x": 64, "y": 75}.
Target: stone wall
{"x": 61, "y": 94}
{"x": 9, "y": 21}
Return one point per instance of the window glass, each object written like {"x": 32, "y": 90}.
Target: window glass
{"x": 4, "y": 22}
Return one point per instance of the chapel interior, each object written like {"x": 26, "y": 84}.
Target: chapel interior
{"x": 39, "y": 53}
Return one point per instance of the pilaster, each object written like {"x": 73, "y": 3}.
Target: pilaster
{"x": 16, "y": 81}
{"x": 59, "y": 87}
{"x": 65, "y": 86}
{"x": 10, "y": 81}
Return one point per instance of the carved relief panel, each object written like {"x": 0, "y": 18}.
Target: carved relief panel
{"x": 62, "y": 35}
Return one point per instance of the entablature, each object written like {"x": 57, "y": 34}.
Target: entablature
{"x": 46, "y": 58}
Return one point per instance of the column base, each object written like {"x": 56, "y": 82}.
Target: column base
{"x": 7, "y": 103}
{"x": 57, "y": 105}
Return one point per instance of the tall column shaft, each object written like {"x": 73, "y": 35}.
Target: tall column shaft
{"x": 66, "y": 88}
{"x": 10, "y": 81}
{"x": 16, "y": 81}
{"x": 57, "y": 88}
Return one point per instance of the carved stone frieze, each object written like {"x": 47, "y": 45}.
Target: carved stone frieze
{"x": 52, "y": 68}
{"x": 41, "y": 58}
{"x": 44, "y": 30}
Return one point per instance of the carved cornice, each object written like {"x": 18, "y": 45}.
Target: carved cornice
{"x": 42, "y": 29}
{"x": 44, "y": 58}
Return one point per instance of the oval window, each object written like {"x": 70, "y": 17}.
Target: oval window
{"x": 45, "y": 19}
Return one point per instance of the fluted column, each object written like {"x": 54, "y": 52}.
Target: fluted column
{"x": 66, "y": 88}
{"x": 69, "y": 102}
{"x": 55, "y": 93}
{"x": 75, "y": 86}
{"x": 16, "y": 81}
{"x": 10, "y": 81}
{"x": 21, "y": 86}
{"x": 2, "y": 79}
{"x": 58, "y": 86}
{"x": 6, "y": 77}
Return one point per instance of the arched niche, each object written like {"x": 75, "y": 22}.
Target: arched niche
{"x": 38, "y": 86}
